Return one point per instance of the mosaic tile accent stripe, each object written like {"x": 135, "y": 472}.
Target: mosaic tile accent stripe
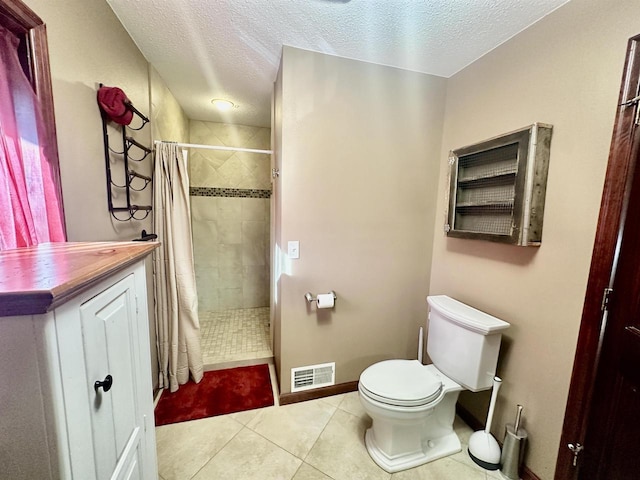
{"x": 229, "y": 192}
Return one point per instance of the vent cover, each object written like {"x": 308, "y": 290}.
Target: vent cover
{"x": 313, "y": 376}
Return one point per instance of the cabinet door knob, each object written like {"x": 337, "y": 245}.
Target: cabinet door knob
{"x": 105, "y": 384}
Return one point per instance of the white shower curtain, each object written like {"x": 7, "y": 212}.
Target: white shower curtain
{"x": 176, "y": 300}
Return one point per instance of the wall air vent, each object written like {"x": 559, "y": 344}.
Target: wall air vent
{"x": 313, "y": 376}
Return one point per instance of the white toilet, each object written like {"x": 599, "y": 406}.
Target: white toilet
{"x": 413, "y": 405}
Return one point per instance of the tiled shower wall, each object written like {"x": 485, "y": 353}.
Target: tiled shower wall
{"x": 230, "y": 195}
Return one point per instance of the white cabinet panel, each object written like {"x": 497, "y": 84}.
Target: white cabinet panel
{"x": 110, "y": 339}
{"x": 54, "y": 423}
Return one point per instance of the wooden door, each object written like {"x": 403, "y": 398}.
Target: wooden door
{"x": 603, "y": 410}
{"x": 612, "y": 438}
{"x": 109, "y": 331}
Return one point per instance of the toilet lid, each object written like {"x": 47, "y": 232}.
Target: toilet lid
{"x": 400, "y": 382}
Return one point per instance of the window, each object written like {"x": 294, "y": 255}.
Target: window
{"x": 30, "y": 191}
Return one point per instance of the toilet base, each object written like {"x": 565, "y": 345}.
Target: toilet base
{"x": 435, "y": 449}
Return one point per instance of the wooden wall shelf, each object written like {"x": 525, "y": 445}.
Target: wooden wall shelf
{"x": 497, "y": 187}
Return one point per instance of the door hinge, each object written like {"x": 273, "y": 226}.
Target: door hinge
{"x": 576, "y": 449}
{"x": 633, "y": 101}
{"x": 137, "y": 309}
{"x": 275, "y": 172}
{"x": 606, "y": 299}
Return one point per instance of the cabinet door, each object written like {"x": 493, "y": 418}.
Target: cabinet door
{"x": 110, "y": 338}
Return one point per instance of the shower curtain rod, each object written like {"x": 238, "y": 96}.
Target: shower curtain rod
{"x": 216, "y": 147}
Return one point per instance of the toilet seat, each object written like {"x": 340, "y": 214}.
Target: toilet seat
{"x": 404, "y": 383}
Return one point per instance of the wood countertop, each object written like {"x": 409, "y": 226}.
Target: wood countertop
{"x": 34, "y": 280}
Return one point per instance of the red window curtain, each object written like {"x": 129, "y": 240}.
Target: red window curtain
{"x": 30, "y": 210}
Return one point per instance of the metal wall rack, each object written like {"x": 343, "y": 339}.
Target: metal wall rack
{"x": 133, "y": 180}
{"x": 498, "y": 186}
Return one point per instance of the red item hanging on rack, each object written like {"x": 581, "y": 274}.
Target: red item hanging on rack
{"x": 115, "y": 104}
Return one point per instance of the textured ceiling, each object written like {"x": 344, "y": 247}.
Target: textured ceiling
{"x": 206, "y": 49}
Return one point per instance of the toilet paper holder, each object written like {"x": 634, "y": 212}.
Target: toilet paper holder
{"x": 310, "y": 298}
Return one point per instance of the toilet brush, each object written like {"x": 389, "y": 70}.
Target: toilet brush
{"x": 483, "y": 447}
{"x": 515, "y": 439}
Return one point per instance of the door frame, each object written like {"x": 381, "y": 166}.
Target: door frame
{"x": 17, "y": 17}
{"x": 613, "y": 210}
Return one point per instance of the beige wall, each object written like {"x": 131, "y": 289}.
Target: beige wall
{"x": 87, "y": 46}
{"x": 358, "y": 183}
{"x": 230, "y": 232}
{"x": 168, "y": 120}
{"x": 275, "y": 239}
{"x": 566, "y": 71}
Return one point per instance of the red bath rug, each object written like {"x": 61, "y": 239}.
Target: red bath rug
{"x": 219, "y": 392}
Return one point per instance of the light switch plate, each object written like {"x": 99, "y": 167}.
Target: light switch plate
{"x": 293, "y": 249}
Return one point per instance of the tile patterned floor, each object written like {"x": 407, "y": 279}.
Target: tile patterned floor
{"x": 235, "y": 335}
{"x": 316, "y": 440}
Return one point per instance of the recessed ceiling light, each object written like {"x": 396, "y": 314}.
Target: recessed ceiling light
{"x": 222, "y": 105}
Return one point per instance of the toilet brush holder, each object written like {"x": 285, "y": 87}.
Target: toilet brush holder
{"x": 512, "y": 452}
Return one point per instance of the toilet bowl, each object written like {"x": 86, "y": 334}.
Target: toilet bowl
{"x": 413, "y": 405}
{"x": 417, "y": 426}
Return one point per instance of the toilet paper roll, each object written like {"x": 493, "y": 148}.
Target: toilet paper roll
{"x": 325, "y": 300}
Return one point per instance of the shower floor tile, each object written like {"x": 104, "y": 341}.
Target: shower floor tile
{"x": 235, "y": 335}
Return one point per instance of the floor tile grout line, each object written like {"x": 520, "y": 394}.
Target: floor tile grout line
{"x": 302, "y": 460}
{"x": 297, "y": 470}
{"x": 318, "y": 438}
{"x": 337, "y": 407}
{"x": 242, "y": 427}
{"x": 276, "y": 445}
{"x": 318, "y": 470}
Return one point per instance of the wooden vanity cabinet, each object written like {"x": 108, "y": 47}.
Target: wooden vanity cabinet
{"x": 75, "y": 379}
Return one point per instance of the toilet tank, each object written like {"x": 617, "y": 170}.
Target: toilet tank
{"x": 463, "y": 343}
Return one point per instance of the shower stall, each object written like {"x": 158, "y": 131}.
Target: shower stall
{"x": 230, "y": 194}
